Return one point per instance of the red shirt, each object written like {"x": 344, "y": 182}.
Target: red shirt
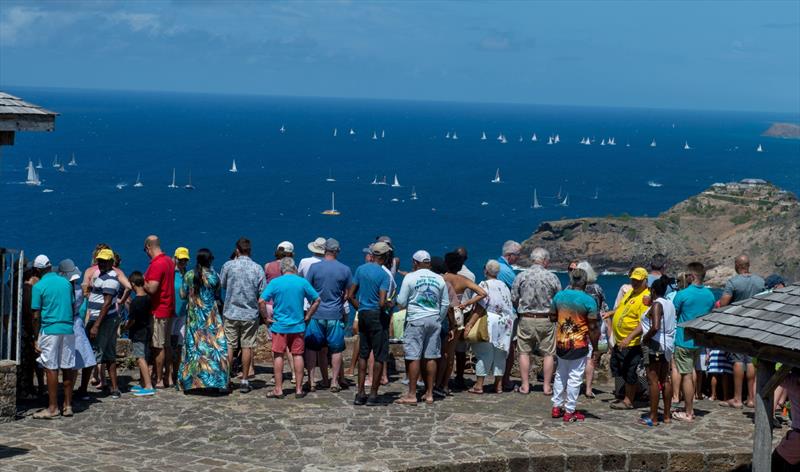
{"x": 162, "y": 270}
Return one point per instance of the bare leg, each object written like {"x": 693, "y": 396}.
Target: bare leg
{"x": 676, "y": 382}
{"x": 86, "y": 375}
{"x": 52, "y": 390}
{"x": 371, "y": 370}
{"x": 277, "y": 368}
{"x": 714, "y": 382}
{"x": 377, "y": 369}
{"x": 167, "y": 364}
{"x": 687, "y": 385}
{"x": 311, "y": 360}
{"x": 295, "y": 377}
{"x": 547, "y": 386}
{"x": 630, "y": 393}
{"x": 322, "y": 360}
{"x": 524, "y": 371}
{"x": 510, "y": 365}
{"x": 652, "y": 378}
{"x": 589, "y": 376}
{"x": 298, "y": 367}
{"x": 751, "y": 385}
{"x": 354, "y": 357}
{"x": 68, "y": 377}
{"x": 412, "y": 370}
{"x": 666, "y": 382}
{"x": 247, "y": 361}
{"x": 144, "y": 373}
{"x": 336, "y": 361}
{"x": 430, "y": 379}
{"x": 112, "y": 374}
{"x": 738, "y": 380}
{"x": 362, "y": 375}
{"x": 159, "y": 366}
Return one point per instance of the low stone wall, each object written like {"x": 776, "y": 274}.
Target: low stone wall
{"x": 8, "y": 391}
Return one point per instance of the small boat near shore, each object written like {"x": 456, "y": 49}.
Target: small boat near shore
{"x": 654, "y": 184}
{"x": 172, "y": 185}
{"x": 332, "y": 211}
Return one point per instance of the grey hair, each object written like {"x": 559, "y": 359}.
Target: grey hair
{"x": 578, "y": 278}
{"x": 492, "y": 267}
{"x": 287, "y": 265}
{"x": 511, "y": 247}
{"x": 540, "y": 255}
{"x": 591, "y": 275}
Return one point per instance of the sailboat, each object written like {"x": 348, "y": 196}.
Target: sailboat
{"x": 333, "y": 211}
{"x": 558, "y": 195}
{"x": 233, "y": 167}
{"x": 534, "y": 138}
{"x": 520, "y": 139}
{"x": 375, "y": 180}
{"x": 455, "y": 135}
{"x": 612, "y": 141}
{"x": 653, "y": 143}
{"x": 483, "y": 135}
{"x": 330, "y": 176}
{"x": 55, "y": 162}
{"x": 335, "y": 132}
{"x": 352, "y": 132}
{"x": 596, "y": 194}
{"x": 504, "y": 140}
{"x": 396, "y": 183}
{"x": 413, "y": 193}
{"x": 138, "y": 183}
{"x": 588, "y": 141}
{"x": 283, "y": 129}
{"x": 686, "y": 145}
{"x": 603, "y": 142}
{"x": 557, "y": 139}
{"x": 500, "y": 137}
{"x": 496, "y": 179}
{"x": 759, "y": 149}
{"x": 73, "y": 162}
{"x": 61, "y": 168}
{"x": 383, "y": 181}
{"x": 33, "y": 177}
{"x": 565, "y": 202}
{"x": 189, "y": 186}
{"x": 172, "y": 185}
{"x": 374, "y": 136}
{"x": 550, "y": 140}
{"x": 447, "y": 136}
{"x": 535, "y": 200}
{"x": 39, "y": 164}
{"x": 383, "y": 134}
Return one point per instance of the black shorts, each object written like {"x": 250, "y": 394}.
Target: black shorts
{"x": 373, "y": 335}
{"x": 652, "y": 353}
{"x": 625, "y": 362}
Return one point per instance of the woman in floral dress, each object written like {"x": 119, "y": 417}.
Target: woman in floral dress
{"x": 205, "y": 352}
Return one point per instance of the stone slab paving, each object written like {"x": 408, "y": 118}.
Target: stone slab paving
{"x": 325, "y": 432}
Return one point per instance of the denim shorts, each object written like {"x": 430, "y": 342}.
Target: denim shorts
{"x": 325, "y": 333}
{"x": 422, "y": 339}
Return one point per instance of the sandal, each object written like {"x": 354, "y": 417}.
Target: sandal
{"x": 405, "y": 401}
{"x": 299, "y": 395}
{"x": 274, "y": 394}
{"x": 621, "y": 406}
{"x": 646, "y": 421}
{"x": 476, "y": 392}
{"x": 336, "y": 389}
{"x": 731, "y": 405}
{"x": 45, "y": 414}
{"x": 682, "y": 416}
{"x": 519, "y": 390}
{"x": 67, "y": 412}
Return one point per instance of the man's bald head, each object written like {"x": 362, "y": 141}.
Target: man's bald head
{"x": 742, "y": 264}
{"x": 152, "y": 241}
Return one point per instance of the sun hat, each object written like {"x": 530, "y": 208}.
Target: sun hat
{"x": 773, "y": 280}
{"x": 380, "y": 249}
{"x": 332, "y": 245}
{"x": 639, "y": 273}
{"x": 181, "y": 253}
{"x": 421, "y": 256}
{"x": 385, "y": 239}
{"x": 68, "y": 270}
{"x": 317, "y": 246}
{"x": 41, "y": 262}
{"x": 286, "y": 246}
{"x": 105, "y": 255}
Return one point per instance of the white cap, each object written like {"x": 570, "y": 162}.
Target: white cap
{"x": 41, "y": 262}
{"x": 421, "y": 256}
{"x": 286, "y": 246}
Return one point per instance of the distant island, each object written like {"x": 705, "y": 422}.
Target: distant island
{"x": 751, "y": 216}
{"x": 783, "y": 130}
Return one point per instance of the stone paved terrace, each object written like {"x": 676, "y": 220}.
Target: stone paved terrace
{"x": 324, "y": 431}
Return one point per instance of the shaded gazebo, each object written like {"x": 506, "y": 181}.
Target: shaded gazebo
{"x": 18, "y": 115}
{"x": 766, "y": 327}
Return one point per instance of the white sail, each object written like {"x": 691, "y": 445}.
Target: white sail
{"x": 374, "y": 136}
{"x": 500, "y": 137}
{"x": 39, "y": 164}
{"x": 603, "y": 142}
{"x": 686, "y": 145}
{"x": 55, "y": 162}
{"x": 536, "y": 200}
{"x": 61, "y": 168}
{"x": 534, "y": 138}
{"x": 557, "y": 139}
{"x": 413, "y": 193}
{"x": 189, "y": 185}
{"x": 172, "y": 185}
{"x": 233, "y": 167}
{"x": 375, "y": 180}
{"x": 653, "y": 143}
{"x": 447, "y": 136}
{"x": 496, "y": 179}
{"x": 455, "y": 135}
{"x": 565, "y": 202}
{"x": 335, "y": 132}
{"x": 352, "y": 131}
{"x": 759, "y": 149}
{"x": 612, "y": 141}
{"x": 520, "y": 139}
{"x": 333, "y": 211}
{"x": 73, "y": 162}
{"x": 588, "y": 141}
{"x": 330, "y": 176}
{"x": 483, "y": 136}
{"x": 33, "y": 177}
{"x": 138, "y": 183}
{"x": 383, "y": 134}
{"x": 558, "y": 195}
{"x": 596, "y": 194}
{"x": 504, "y": 140}
{"x": 396, "y": 182}
{"x": 283, "y": 129}
{"x": 550, "y": 140}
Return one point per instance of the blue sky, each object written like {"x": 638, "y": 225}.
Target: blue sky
{"x": 735, "y": 55}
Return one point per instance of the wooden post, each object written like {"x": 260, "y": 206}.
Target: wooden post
{"x": 762, "y": 435}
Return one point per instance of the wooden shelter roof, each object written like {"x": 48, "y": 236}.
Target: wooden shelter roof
{"x": 766, "y": 326}
{"x": 18, "y": 115}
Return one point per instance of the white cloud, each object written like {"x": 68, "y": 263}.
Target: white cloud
{"x": 15, "y": 22}
{"x": 138, "y": 22}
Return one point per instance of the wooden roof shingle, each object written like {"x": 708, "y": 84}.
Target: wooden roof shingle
{"x": 18, "y": 115}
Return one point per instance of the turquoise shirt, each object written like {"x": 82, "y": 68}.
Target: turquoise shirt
{"x": 690, "y": 303}
{"x": 52, "y": 295}
{"x": 371, "y": 279}
{"x": 180, "y": 302}
{"x": 287, "y": 293}
{"x": 506, "y": 274}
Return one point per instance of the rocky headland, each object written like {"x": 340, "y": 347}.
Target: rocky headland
{"x": 783, "y": 130}
{"x": 749, "y": 217}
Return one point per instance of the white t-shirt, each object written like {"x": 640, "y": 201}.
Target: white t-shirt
{"x": 424, "y": 294}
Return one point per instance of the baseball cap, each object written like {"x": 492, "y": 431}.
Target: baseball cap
{"x": 105, "y": 255}
{"x": 332, "y": 245}
{"x": 639, "y": 273}
{"x": 380, "y": 248}
{"x": 68, "y": 270}
{"x": 773, "y": 280}
{"x": 317, "y": 246}
{"x": 286, "y": 246}
{"x": 181, "y": 253}
{"x": 41, "y": 262}
{"x": 421, "y": 256}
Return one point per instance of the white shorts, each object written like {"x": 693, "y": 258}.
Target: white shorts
{"x": 58, "y": 351}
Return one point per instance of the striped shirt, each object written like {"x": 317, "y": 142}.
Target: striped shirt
{"x": 103, "y": 284}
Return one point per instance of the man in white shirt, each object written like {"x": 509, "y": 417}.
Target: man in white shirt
{"x": 424, "y": 294}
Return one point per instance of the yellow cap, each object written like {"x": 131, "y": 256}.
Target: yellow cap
{"x": 639, "y": 273}
{"x": 105, "y": 254}
{"x": 181, "y": 253}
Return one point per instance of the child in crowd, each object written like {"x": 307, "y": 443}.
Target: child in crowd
{"x": 140, "y": 332}
{"x": 720, "y": 370}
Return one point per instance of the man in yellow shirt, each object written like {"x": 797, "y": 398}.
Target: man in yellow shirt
{"x": 627, "y": 352}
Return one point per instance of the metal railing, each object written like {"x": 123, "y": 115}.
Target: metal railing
{"x": 11, "y": 269}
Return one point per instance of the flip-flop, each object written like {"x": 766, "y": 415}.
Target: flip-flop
{"x": 476, "y": 392}
{"x": 299, "y": 395}
{"x": 621, "y": 406}
{"x": 429, "y": 401}
{"x": 274, "y": 394}
{"x": 646, "y": 422}
{"x": 336, "y": 389}
{"x": 750, "y": 405}
{"x": 519, "y": 390}
{"x": 405, "y": 401}
{"x": 728, "y": 405}
{"x": 67, "y": 412}
{"x": 44, "y": 414}
{"x": 682, "y": 417}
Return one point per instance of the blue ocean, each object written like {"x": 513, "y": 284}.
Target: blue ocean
{"x": 281, "y": 188}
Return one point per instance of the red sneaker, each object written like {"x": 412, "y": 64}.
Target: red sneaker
{"x": 572, "y": 417}
{"x": 557, "y": 412}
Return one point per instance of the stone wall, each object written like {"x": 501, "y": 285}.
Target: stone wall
{"x": 8, "y": 391}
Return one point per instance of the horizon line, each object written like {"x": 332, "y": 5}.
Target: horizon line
{"x": 793, "y": 114}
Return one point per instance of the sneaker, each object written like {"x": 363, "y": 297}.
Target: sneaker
{"x": 144, "y": 392}
{"x": 116, "y": 394}
{"x": 372, "y": 400}
{"x": 572, "y": 417}
{"x": 245, "y": 388}
{"x": 136, "y": 388}
{"x": 557, "y": 412}
{"x": 360, "y": 400}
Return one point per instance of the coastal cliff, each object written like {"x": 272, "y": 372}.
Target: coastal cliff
{"x": 749, "y": 217}
{"x": 783, "y": 130}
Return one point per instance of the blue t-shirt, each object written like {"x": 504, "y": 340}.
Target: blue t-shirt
{"x": 287, "y": 293}
{"x": 371, "y": 279}
{"x": 330, "y": 278}
{"x": 52, "y": 295}
{"x": 690, "y": 303}
{"x": 574, "y": 309}
{"x": 180, "y": 302}
{"x": 506, "y": 274}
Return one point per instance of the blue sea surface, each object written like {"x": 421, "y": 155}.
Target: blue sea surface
{"x": 280, "y": 189}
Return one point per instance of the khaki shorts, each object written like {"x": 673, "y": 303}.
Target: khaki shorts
{"x": 241, "y": 333}
{"x": 162, "y": 330}
{"x": 536, "y": 336}
{"x": 685, "y": 359}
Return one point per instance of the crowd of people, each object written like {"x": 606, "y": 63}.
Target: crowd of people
{"x": 193, "y": 327}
